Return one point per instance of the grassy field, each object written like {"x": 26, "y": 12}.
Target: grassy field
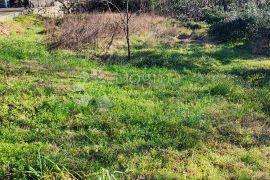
{"x": 197, "y": 111}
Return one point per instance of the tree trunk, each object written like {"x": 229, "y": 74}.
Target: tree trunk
{"x": 128, "y": 43}
{"x": 127, "y": 31}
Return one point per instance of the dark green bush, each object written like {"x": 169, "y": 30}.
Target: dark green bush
{"x": 251, "y": 25}
{"x": 261, "y": 41}
{"x": 229, "y": 31}
{"x": 213, "y": 16}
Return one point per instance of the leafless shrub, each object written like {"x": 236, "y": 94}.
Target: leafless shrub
{"x": 78, "y": 31}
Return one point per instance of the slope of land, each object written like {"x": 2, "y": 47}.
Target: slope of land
{"x": 182, "y": 111}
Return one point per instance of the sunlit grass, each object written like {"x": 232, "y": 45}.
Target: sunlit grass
{"x": 177, "y": 111}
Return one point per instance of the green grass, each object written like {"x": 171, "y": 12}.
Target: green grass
{"x": 174, "y": 112}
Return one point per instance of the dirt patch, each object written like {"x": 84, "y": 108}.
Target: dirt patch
{"x": 3, "y": 30}
{"x": 10, "y": 27}
{"x": 193, "y": 38}
{"x": 99, "y": 74}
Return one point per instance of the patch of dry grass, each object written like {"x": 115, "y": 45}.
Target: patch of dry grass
{"x": 17, "y": 26}
{"x": 10, "y": 27}
{"x": 99, "y": 30}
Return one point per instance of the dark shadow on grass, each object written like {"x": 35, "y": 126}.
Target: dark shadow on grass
{"x": 256, "y": 77}
{"x": 227, "y": 54}
{"x": 259, "y": 78}
{"x": 180, "y": 57}
{"x": 162, "y": 57}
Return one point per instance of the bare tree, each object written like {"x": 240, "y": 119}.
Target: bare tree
{"x": 125, "y": 18}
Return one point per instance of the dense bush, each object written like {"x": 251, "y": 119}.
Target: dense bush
{"x": 102, "y": 5}
{"x": 261, "y": 41}
{"x": 251, "y": 24}
{"x": 181, "y": 9}
{"x": 233, "y": 30}
{"x": 177, "y": 8}
{"x": 214, "y": 15}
